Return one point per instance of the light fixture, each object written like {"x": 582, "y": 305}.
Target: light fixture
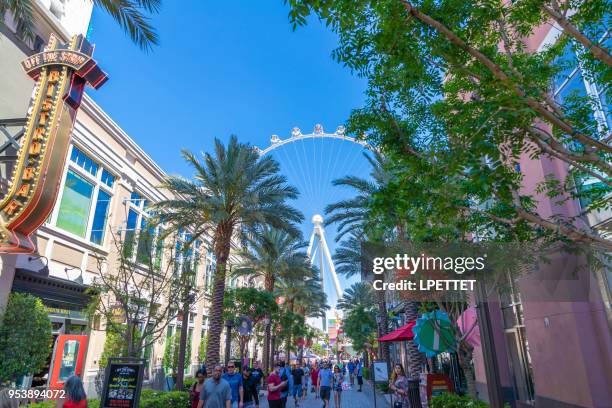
{"x": 44, "y": 271}
{"x": 78, "y": 279}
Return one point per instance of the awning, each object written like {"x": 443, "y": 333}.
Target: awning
{"x": 402, "y": 334}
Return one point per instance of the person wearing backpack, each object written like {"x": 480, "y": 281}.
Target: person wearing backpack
{"x": 285, "y": 375}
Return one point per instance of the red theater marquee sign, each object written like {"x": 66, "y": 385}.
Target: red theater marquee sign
{"x": 61, "y": 73}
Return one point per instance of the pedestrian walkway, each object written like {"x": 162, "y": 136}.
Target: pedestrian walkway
{"x": 350, "y": 399}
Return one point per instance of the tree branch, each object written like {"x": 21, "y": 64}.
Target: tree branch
{"x": 598, "y": 52}
{"x": 503, "y": 77}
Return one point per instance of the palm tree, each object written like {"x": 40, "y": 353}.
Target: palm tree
{"x": 355, "y": 216}
{"x": 359, "y": 295}
{"x": 269, "y": 254}
{"x": 348, "y": 260}
{"x": 303, "y": 295}
{"x": 234, "y": 195}
{"x": 131, "y": 15}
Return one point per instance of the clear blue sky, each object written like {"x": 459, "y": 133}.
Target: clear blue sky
{"x": 222, "y": 68}
{"x": 227, "y": 68}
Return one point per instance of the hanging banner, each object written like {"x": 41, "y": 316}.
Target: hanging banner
{"x": 61, "y": 73}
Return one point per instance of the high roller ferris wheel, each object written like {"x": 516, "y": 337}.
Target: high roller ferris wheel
{"x": 318, "y": 249}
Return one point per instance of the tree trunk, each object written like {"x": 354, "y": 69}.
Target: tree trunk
{"x": 266, "y": 347}
{"x": 267, "y": 361}
{"x": 222, "y": 249}
{"x": 414, "y": 355}
{"x": 180, "y": 367}
{"x": 290, "y": 307}
{"x": 465, "y": 353}
{"x": 383, "y": 327}
{"x": 130, "y": 338}
{"x": 366, "y": 358}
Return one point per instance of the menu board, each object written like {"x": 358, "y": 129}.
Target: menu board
{"x": 122, "y": 383}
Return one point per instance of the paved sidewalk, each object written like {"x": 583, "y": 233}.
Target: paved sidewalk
{"x": 350, "y": 399}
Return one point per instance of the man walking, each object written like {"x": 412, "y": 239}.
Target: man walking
{"x": 249, "y": 384}
{"x": 298, "y": 378}
{"x": 324, "y": 383}
{"x": 235, "y": 381}
{"x": 258, "y": 375}
{"x": 216, "y": 392}
{"x": 275, "y": 384}
{"x": 351, "y": 370}
{"x": 359, "y": 375}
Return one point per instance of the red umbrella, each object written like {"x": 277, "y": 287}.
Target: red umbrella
{"x": 402, "y": 334}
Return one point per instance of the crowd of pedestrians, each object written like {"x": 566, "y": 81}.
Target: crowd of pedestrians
{"x": 242, "y": 388}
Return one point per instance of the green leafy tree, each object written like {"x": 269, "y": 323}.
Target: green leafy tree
{"x": 131, "y": 15}
{"x": 25, "y": 337}
{"x": 317, "y": 349}
{"x": 202, "y": 349}
{"x": 456, "y": 99}
{"x": 251, "y": 302}
{"x": 170, "y": 360}
{"x": 269, "y": 255}
{"x": 234, "y": 193}
{"x": 134, "y": 304}
{"x": 359, "y": 306}
{"x": 115, "y": 346}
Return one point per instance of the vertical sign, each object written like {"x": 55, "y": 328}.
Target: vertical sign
{"x": 122, "y": 383}
{"x": 61, "y": 73}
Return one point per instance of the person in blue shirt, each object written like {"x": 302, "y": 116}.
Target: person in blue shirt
{"x": 235, "y": 381}
{"x": 285, "y": 375}
{"x": 351, "y": 370}
{"x": 359, "y": 375}
{"x": 324, "y": 383}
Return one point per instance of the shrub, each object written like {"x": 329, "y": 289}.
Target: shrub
{"x": 169, "y": 399}
{"x": 51, "y": 404}
{"x": 25, "y": 337}
{"x": 383, "y": 387}
{"x": 455, "y": 401}
{"x": 188, "y": 382}
{"x": 148, "y": 399}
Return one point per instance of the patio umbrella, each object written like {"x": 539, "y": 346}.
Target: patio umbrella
{"x": 402, "y": 334}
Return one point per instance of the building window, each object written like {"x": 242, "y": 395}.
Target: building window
{"x": 141, "y": 239}
{"x": 75, "y": 205}
{"x": 187, "y": 255}
{"x": 209, "y": 269}
{"x": 575, "y": 81}
{"x": 85, "y": 199}
{"x": 519, "y": 358}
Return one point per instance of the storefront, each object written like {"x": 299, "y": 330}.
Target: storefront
{"x": 66, "y": 301}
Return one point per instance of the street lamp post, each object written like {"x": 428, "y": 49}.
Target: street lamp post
{"x": 228, "y": 340}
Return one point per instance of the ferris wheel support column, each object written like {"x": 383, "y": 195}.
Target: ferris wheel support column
{"x": 330, "y": 264}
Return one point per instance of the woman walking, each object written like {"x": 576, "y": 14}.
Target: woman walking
{"x": 75, "y": 394}
{"x": 337, "y": 387}
{"x": 194, "y": 392}
{"x": 399, "y": 386}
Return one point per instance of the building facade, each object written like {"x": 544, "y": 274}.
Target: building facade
{"x": 548, "y": 352}
{"x": 107, "y": 186}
